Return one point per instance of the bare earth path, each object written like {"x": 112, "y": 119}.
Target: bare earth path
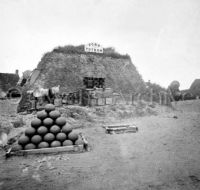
{"x": 164, "y": 154}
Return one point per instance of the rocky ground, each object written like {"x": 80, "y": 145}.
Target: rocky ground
{"x": 163, "y": 154}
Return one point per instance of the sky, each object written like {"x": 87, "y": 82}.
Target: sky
{"x": 161, "y": 36}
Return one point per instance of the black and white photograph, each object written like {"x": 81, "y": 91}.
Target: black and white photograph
{"x": 100, "y": 95}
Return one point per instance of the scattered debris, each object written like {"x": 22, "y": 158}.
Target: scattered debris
{"x": 152, "y": 105}
{"x": 194, "y": 179}
{"x": 38, "y": 166}
{"x": 85, "y": 142}
{"x": 18, "y": 123}
{"x": 3, "y": 139}
{"x": 25, "y": 171}
{"x": 14, "y": 139}
{"x": 49, "y": 166}
{"x": 36, "y": 176}
{"x": 43, "y": 160}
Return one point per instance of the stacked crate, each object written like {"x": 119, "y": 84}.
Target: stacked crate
{"x": 97, "y": 96}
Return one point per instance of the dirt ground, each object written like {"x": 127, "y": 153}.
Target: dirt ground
{"x": 164, "y": 154}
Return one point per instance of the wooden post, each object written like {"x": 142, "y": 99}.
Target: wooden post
{"x": 122, "y": 97}
{"x": 116, "y": 99}
{"x": 165, "y": 98}
{"x": 132, "y": 100}
{"x": 88, "y": 99}
{"x": 160, "y": 98}
{"x": 80, "y": 97}
{"x": 171, "y": 95}
{"x": 139, "y": 97}
{"x": 151, "y": 96}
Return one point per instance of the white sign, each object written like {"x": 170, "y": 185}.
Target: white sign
{"x": 93, "y": 47}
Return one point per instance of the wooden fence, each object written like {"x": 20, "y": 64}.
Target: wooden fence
{"x": 161, "y": 98}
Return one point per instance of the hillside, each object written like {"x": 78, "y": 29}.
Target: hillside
{"x": 68, "y": 65}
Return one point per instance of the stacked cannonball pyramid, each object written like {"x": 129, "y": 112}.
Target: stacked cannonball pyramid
{"x": 49, "y": 129}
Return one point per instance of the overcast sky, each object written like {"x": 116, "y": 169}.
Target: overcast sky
{"x": 161, "y": 36}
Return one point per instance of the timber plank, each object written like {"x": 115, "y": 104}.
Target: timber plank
{"x": 73, "y": 148}
{"x": 121, "y": 129}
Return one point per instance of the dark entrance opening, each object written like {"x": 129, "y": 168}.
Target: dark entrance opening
{"x": 14, "y": 93}
{"x": 91, "y": 82}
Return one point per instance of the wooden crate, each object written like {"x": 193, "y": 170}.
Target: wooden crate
{"x": 108, "y": 101}
{"x": 93, "y": 102}
{"x": 101, "y": 101}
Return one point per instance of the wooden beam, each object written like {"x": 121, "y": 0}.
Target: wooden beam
{"x": 73, "y": 148}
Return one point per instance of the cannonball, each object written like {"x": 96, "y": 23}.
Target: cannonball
{"x": 67, "y": 129}
{"x": 17, "y": 147}
{"x": 42, "y": 115}
{"x": 42, "y": 130}
{"x": 55, "y": 144}
{"x": 36, "y": 139}
{"x": 54, "y": 114}
{"x": 55, "y": 129}
{"x": 67, "y": 143}
{"x": 30, "y": 131}
{"x": 79, "y": 142}
{"x": 73, "y": 136}
{"x": 23, "y": 140}
{"x": 29, "y": 146}
{"x": 36, "y": 123}
{"x": 61, "y": 121}
{"x": 61, "y": 137}
{"x": 49, "y": 137}
{"x": 49, "y": 107}
{"x": 43, "y": 144}
{"x": 48, "y": 122}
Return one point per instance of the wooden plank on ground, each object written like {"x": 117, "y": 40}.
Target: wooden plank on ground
{"x": 73, "y": 148}
{"x": 115, "y": 126}
{"x": 120, "y": 129}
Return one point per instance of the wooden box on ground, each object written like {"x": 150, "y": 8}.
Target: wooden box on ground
{"x": 101, "y": 101}
{"x": 116, "y": 98}
{"x": 121, "y": 129}
{"x": 93, "y": 102}
{"x": 108, "y": 101}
